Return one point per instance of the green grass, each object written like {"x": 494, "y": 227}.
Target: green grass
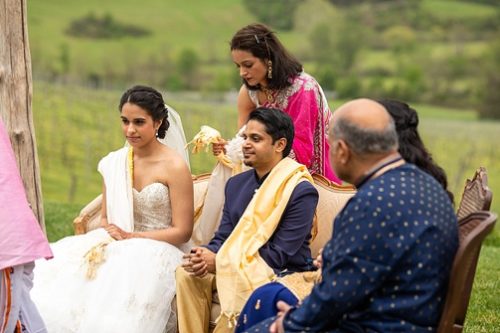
{"x": 59, "y": 218}
{"x": 460, "y": 147}
{"x": 483, "y": 315}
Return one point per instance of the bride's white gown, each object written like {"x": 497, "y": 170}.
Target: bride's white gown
{"x": 133, "y": 289}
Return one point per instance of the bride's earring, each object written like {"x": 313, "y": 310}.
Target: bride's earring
{"x": 269, "y": 69}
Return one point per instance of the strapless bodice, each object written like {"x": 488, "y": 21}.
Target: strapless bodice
{"x": 152, "y": 209}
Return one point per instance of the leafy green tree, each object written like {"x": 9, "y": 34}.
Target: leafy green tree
{"x": 105, "y": 27}
{"x": 188, "y": 65}
{"x": 64, "y": 59}
{"x": 399, "y": 38}
{"x": 338, "y": 44}
{"x": 277, "y": 13}
{"x": 327, "y": 78}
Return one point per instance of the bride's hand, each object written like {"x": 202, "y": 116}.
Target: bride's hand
{"x": 218, "y": 147}
{"x": 116, "y": 232}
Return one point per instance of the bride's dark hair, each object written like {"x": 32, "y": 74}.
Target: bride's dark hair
{"x": 150, "y": 100}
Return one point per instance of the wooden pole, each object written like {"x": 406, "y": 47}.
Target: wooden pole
{"x": 15, "y": 98}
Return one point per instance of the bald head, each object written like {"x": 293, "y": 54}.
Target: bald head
{"x": 365, "y": 113}
{"x": 365, "y": 126}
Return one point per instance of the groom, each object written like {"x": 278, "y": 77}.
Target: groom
{"x": 264, "y": 231}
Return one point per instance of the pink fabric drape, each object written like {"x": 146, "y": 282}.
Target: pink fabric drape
{"x": 305, "y": 103}
{"x": 21, "y": 238}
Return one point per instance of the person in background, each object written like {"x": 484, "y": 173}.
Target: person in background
{"x": 274, "y": 78}
{"x": 21, "y": 242}
{"x": 411, "y": 146}
{"x": 387, "y": 265}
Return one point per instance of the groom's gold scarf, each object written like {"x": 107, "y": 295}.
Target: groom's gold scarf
{"x": 240, "y": 269}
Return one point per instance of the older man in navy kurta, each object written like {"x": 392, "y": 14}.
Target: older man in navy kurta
{"x": 386, "y": 267}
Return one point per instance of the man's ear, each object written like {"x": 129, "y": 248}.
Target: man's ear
{"x": 343, "y": 152}
{"x": 280, "y": 145}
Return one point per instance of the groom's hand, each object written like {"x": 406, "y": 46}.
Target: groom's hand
{"x": 199, "y": 261}
{"x": 209, "y": 260}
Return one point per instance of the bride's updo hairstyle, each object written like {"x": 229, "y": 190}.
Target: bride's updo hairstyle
{"x": 150, "y": 100}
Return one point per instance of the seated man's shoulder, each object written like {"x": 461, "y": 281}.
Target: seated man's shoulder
{"x": 240, "y": 177}
{"x": 305, "y": 187}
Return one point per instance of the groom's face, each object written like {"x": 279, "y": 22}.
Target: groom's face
{"x": 259, "y": 151}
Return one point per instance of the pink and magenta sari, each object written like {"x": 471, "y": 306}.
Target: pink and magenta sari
{"x": 306, "y": 104}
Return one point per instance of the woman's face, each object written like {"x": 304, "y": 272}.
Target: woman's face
{"x": 252, "y": 69}
{"x": 138, "y": 126}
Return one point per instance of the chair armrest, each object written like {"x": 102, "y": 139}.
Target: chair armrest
{"x": 89, "y": 216}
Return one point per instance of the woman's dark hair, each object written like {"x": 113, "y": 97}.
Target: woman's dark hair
{"x": 150, "y": 100}
{"x": 278, "y": 125}
{"x": 411, "y": 146}
{"x": 262, "y": 43}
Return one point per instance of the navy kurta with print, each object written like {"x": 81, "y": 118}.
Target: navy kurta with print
{"x": 288, "y": 248}
{"x": 386, "y": 268}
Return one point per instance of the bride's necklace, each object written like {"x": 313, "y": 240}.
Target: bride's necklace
{"x": 268, "y": 92}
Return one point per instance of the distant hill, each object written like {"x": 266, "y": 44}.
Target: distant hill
{"x": 424, "y": 50}
{"x": 203, "y": 26}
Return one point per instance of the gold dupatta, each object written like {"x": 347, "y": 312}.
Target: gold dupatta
{"x": 239, "y": 267}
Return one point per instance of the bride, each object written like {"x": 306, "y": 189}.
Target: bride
{"x": 120, "y": 278}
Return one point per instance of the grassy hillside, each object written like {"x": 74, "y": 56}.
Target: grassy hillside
{"x": 426, "y": 53}
{"x": 204, "y": 26}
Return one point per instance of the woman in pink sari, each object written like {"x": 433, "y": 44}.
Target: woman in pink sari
{"x": 272, "y": 77}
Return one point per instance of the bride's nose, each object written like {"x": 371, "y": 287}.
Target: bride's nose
{"x": 130, "y": 128}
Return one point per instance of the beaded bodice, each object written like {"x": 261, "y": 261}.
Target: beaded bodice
{"x": 152, "y": 209}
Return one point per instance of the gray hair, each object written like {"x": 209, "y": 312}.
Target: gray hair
{"x": 366, "y": 141}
